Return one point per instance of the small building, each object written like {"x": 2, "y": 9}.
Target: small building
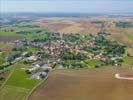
{"x": 34, "y": 58}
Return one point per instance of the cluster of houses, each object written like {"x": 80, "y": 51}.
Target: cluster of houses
{"x": 39, "y": 70}
{"x": 55, "y": 49}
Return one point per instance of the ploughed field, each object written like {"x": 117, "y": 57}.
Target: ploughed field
{"x": 85, "y": 84}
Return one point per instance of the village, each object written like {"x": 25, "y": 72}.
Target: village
{"x": 58, "y": 50}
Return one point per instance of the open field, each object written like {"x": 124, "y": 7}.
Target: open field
{"x": 130, "y": 51}
{"x": 18, "y": 85}
{"x": 2, "y": 45}
{"x": 13, "y": 93}
{"x": 128, "y": 60}
{"x": 85, "y": 84}
{"x": 10, "y": 38}
{"x": 68, "y": 25}
{"x": 11, "y": 34}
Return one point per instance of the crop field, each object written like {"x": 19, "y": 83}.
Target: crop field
{"x": 11, "y": 33}
{"x": 128, "y": 60}
{"x": 13, "y": 93}
{"x": 18, "y": 86}
{"x": 9, "y": 38}
{"x": 68, "y": 25}
{"x": 2, "y": 44}
{"x": 85, "y": 84}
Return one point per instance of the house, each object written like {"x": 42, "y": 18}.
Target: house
{"x": 14, "y": 57}
{"x": 32, "y": 70}
{"x": 24, "y": 54}
{"x": 42, "y": 75}
{"x": 46, "y": 68}
{"x": 34, "y": 58}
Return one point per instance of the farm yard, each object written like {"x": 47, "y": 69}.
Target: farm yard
{"x": 85, "y": 84}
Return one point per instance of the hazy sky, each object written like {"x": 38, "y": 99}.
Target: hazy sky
{"x": 83, "y": 6}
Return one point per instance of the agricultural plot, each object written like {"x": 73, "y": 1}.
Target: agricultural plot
{"x": 13, "y": 93}
{"x": 85, "y": 84}
{"x": 18, "y": 86}
{"x": 20, "y": 33}
{"x": 128, "y": 60}
{"x": 2, "y": 45}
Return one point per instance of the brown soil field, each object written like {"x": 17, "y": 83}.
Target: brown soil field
{"x": 85, "y": 84}
{"x": 10, "y": 38}
{"x": 68, "y": 25}
{"x": 9, "y": 47}
{"x": 119, "y": 34}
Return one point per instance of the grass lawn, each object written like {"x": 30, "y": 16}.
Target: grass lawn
{"x": 128, "y": 60}
{"x": 93, "y": 63}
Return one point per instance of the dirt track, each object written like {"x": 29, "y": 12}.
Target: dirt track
{"x": 85, "y": 84}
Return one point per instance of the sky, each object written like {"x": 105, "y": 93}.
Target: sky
{"x": 67, "y": 6}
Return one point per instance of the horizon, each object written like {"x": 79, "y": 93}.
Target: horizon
{"x": 73, "y": 6}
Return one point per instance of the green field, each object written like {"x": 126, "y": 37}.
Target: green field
{"x": 27, "y": 32}
{"x": 2, "y": 45}
{"x": 18, "y": 86}
{"x": 13, "y": 93}
{"x": 20, "y": 79}
{"x": 93, "y": 63}
{"x": 130, "y": 36}
{"x": 128, "y": 60}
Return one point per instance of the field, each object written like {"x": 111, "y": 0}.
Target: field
{"x": 93, "y": 63}
{"x": 85, "y": 84}
{"x": 10, "y": 38}
{"x": 10, "y": 34}
{"x": 128, "y": 60}
{"x": 2, "y": 45}
{"x": 18, "y": 86}
{"x": 13, "y": 93}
